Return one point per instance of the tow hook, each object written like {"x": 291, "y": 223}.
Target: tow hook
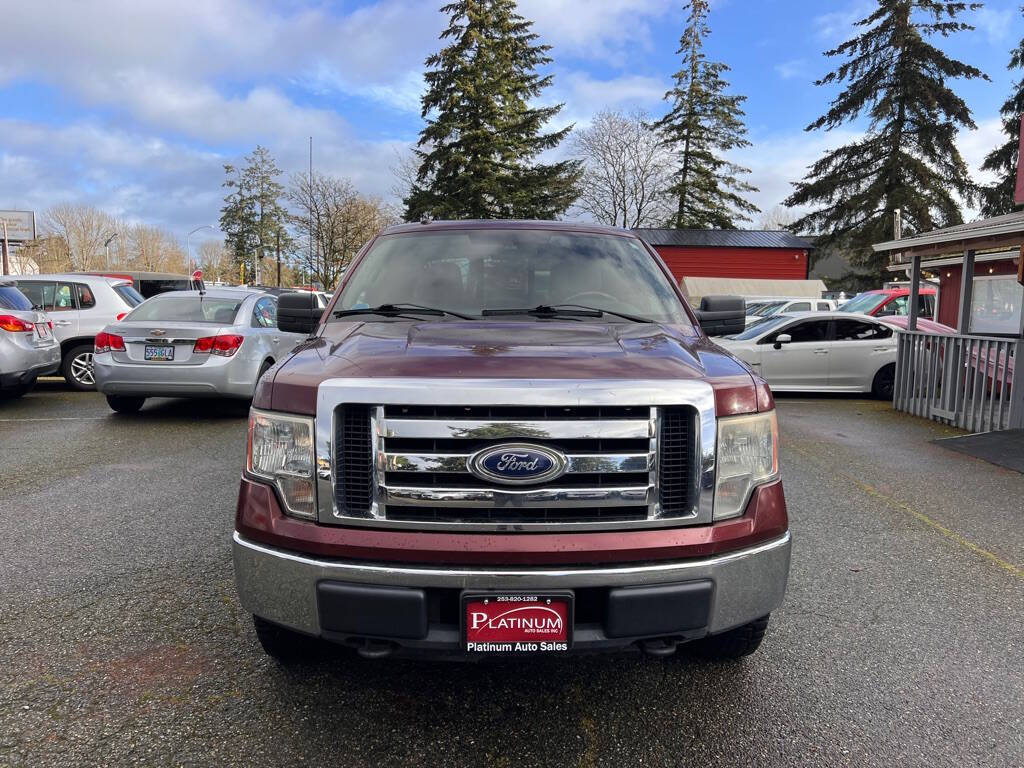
{"x": 659, "y": 646}
{"x": 373, "y": 649}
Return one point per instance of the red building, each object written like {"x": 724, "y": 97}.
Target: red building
{"x": 738, "y": 253}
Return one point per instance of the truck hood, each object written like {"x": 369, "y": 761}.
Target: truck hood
{"x": 501, "y": 349}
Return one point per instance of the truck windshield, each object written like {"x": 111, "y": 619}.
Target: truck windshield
{"x": 863, "y": 303}
{"x": 468, "y": 271}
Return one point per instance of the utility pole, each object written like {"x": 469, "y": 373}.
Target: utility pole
{"x": 6, "y": 253}
{"x": 311, "y": 203}
{"x": 278, "y": 258}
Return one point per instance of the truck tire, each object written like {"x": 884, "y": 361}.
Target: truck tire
{"x": 734, "y": 644}
{"x": 285, "y": 646}
{"x": 77, "y": 368}
{"x": 123, "y": 404}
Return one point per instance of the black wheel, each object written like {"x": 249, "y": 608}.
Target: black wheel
{"x": 123, "y": 404}
{"x": 77, "y": 367}
{"x": 884, "y": 385}
{"x": 734, "y": 644}
{"x": 284, "y": 645}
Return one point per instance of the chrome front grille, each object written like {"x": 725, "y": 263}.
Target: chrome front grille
{"x": 630, "y": 463}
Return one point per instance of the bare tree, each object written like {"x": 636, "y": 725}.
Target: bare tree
{"x": 150, "y": 249}
{"x": 83, "y": 229}
{"x": 217, "y": 262}
{"x": 342, "y": 221}
{"x": 777, "y": 218}
{"x": 627, "y": 171}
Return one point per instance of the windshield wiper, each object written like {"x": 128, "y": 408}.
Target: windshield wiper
{"x": 395, "y": 310}
{"x": 566, "y": 310}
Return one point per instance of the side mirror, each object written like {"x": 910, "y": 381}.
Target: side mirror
{"x": 298, "y": 312}
{"x": 782, "y": 338}
{"x": 722, "y": 315}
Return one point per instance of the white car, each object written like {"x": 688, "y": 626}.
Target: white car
{"x": 80, "y": 306}
{"x": 820, "y": 352}
{"x": 763, "y": 308}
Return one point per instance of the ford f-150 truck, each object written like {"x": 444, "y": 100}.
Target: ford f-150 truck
{"x": 509, "y": 438}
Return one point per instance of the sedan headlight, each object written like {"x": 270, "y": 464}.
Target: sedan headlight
{"x": 748, "y": 455}
{"x": 281, "y": 452}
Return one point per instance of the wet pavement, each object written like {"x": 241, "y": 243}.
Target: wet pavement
{"x": 122, "y": 643}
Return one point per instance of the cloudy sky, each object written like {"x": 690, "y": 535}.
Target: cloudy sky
{"x": 134, "y": 105}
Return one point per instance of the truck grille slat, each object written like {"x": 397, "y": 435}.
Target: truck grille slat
{"x": 354, "y": 460}
{"x": 676, "y": 476}
{"x": 409, "y": 465}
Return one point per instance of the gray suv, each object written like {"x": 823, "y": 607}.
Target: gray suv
{"x": 27, "y": 346}
{"x": 80, "y": 306}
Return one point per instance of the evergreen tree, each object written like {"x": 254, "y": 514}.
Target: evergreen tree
{"x": 477, "y": 153}
{"x": 705, "y": 121}
{"x": 252, "y": 215}
{"x": 998, "y": 198}
{"x": 908, "y": 158}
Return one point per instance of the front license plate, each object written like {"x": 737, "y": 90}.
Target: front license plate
{"x": 159, "y": 352}
{"x": 516, "y": 622}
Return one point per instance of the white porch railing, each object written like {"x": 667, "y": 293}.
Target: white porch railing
{"x": 965, "y": 381}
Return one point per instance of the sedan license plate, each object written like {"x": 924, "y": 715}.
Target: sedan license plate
{"x": 162, "y": 352}
{"x": 42, "y": 331}
{"x": 516, "y": 622}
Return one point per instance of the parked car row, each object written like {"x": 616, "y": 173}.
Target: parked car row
{"x": 100, "y": 333}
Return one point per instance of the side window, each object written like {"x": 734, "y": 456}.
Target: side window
{"x": 801, "y": 306}
{"x": 85, "y": 298}
{"x": 897, "y": 306}
{"x": 264, "y": 314}
{"x": 64, "y": 298}
{"x": 925, "y": 305}
{"x": 40, "y": 294}
{"x": 809, "y": 331}
{"x": 856, "y": 330}
{"x": 823, "y": 306}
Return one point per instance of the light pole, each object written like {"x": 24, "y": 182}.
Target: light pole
{"x": 188, "y": 247}
{"x": 106, "y": 246}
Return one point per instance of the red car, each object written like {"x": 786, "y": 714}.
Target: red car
{"x": 892, "y": 301}
{"x": 510, "y": 438}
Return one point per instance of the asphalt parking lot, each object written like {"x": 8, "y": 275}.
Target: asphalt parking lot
{"x": 121, "y": 641}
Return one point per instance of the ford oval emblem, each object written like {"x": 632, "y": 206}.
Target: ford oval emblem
{"x": 518, "y": 464}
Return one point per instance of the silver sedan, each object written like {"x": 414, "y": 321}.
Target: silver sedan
{"x": 216, "y": 343}
{"x": 819, "y": 352}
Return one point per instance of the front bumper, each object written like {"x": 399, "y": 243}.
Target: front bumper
{"x": 283, "y": 587}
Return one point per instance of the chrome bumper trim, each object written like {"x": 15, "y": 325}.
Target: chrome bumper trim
{"x": 564, "y": 498}
{"x": 458, "y": 462}
{"x": 281, "y": 586}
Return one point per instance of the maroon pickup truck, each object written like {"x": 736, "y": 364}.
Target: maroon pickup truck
{"x": 509, "y": 438}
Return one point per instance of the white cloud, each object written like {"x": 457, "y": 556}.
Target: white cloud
{"x": 776, "y": 161}
{"x": 608, "y": 30}
{"x": 793, "y": 68}
{"x": 996, "y": 24}
{"x": 837, "y": 25}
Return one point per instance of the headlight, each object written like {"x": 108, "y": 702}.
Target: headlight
{"x": 748, "y": 455}
{"x": 281, "y": 451}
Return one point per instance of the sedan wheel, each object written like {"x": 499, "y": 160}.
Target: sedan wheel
{"x": 884, "y": 385}
{"x": 78, "y": 367}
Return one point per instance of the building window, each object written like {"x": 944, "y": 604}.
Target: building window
{"x": 996, "y": 305}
